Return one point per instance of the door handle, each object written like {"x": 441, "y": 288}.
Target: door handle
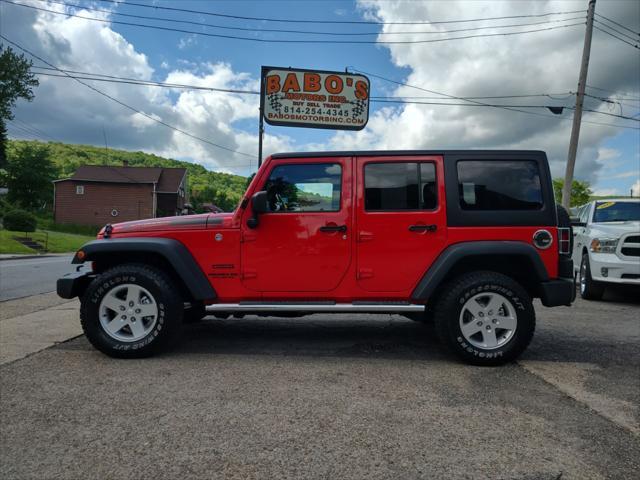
{"x": 333, "y": 228}
{"x": 423, "y": 228}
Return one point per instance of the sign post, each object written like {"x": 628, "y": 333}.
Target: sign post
{"x": 293, "y": 97}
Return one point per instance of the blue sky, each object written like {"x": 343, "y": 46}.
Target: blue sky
{"x": 533, "y": 63}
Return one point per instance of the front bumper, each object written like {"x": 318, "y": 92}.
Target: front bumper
{"x": 557, "y": 292}
{"x": 73, "y": 284}
{"x": 618, "y": 270}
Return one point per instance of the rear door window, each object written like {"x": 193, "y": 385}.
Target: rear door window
{"x": 398, "y": 186}
{"x": 499, "y": 185}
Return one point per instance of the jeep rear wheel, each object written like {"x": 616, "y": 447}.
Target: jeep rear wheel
{"x": 486, "y": 318}
{"x": 131, "y": 311}
{"x": 589, "y": 289}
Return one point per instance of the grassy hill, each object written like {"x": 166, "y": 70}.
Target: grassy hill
{"x": 222, "y": 189}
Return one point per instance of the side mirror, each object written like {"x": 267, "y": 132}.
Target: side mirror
{"x": 575, "y": 222}
{"x": 258, "y": 205}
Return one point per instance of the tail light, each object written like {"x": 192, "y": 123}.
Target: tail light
{"x": 564, "y": 241}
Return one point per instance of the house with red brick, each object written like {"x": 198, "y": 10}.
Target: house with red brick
{"x": 97, "y": 195}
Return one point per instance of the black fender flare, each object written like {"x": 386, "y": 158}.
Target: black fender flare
{"x": 451, "y": 255}
{"x": 171, "y": 250}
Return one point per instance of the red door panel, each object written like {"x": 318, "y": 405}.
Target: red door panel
{"x": 300, "y": 251}
{"x": 395, "y": 247}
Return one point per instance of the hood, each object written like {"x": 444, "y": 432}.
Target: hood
{"x": 182, "y": 222}
{"x": 614, "y": 229}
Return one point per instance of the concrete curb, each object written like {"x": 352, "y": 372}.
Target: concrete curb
{"x": 27, "y": 256}
{"x": 22, "y": 257}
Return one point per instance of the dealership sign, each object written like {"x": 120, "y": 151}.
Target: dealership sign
{"x": 314, "y": 98}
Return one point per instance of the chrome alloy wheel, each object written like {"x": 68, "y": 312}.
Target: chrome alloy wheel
{"x": 583, "y": 277}
{"x": 488, "y": 320}
{"x": 128, "y": 312}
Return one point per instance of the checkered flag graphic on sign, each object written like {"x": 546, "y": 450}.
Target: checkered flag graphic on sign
{"x": 359, "y": 107}
{"x": 274, "y": 102}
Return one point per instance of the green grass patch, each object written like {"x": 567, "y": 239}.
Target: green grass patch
{"x": 55, "y": 242}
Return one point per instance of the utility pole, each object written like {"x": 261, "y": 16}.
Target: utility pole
{"x": 577, "y": 115}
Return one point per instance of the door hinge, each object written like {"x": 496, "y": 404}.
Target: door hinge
{"x": 248, "y": 237}
{"x": 249, "y": 274}
{"x": 365, "y": 236}
{"x": 365, "y": 273}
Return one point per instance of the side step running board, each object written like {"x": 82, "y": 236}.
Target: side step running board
{"x": 316, "y": 307}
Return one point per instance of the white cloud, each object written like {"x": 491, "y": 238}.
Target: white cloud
{"x": 635, "y": 189}
{"x": 605, "y": 154}
{"x": 188, "y": 41}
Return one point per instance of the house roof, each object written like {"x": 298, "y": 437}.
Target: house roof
{"x": 166, "y": 179}
{"x": 171, "y": 179}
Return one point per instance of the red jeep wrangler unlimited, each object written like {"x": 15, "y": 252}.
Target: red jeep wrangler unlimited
{"x": 465, "y": 238}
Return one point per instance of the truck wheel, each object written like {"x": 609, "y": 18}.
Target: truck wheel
{"x": 131, "y": 311}
{"x": 486, "y": 318}
{"x": 589, "y": 289}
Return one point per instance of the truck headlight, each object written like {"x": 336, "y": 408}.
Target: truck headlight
{"x": 604, "y": 245}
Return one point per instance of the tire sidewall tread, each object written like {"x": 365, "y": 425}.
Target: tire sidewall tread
{"x": 170, "y": 306}
{"x": 461, "y": 289}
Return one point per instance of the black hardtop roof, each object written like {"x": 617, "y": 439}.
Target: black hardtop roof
{"x": 378, "y": 153}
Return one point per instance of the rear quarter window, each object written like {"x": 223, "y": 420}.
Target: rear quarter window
{"x": 499, "y": 185}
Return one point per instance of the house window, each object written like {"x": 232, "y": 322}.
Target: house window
{"x": 79, "y": 189}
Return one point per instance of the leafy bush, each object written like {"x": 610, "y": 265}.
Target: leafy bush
{"x": 20, "y": 221}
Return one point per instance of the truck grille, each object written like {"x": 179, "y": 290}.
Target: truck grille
{"x": 630, "y": 246}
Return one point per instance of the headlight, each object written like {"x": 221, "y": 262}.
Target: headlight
{"x": 604, "y": 245}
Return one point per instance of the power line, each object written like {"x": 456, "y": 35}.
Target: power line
{"x": 625, "y": 35}
{"x": 137, "y": 81}
{"x": 637, "y": 99}
{"x": 25, "y": 131}
{"x": 332, "y": 22}
{"x": 301, "y": 32}
{"x": 564, "y": 96}
{"x": 396, "y": 100}
{"x": 33, "y": 129}
{"x": 116, "y": 79}
{"x": 618, "y": 24}
{"x": 616, "y": 37}
{"x": 294, "y": 41}
{"x": 504, "y": 107}
{"x": 129, "y": 106}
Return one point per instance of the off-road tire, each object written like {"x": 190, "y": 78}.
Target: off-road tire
{"x": 449, "y": 307}
{"x": 169, "y": 319}
{"x": 589, "y": 289}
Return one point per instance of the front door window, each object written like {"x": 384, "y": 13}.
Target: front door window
{"x": 304, "y": 188}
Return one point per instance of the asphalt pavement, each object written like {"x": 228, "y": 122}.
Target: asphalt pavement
{"x": 31, "y": 276}
{"x": 333, "y": 397}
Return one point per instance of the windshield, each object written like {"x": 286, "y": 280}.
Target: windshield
{"x": 616, "y": 212}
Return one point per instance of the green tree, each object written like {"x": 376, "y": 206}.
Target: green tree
{"x": 29, "y": 174}
{"x": 580, "y": 191}
{"x": 16, "y": 81}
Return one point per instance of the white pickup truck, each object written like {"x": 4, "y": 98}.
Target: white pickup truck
{"x": 606, "y": 245}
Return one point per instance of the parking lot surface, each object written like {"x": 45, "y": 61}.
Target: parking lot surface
{"x": 333, "y": 397}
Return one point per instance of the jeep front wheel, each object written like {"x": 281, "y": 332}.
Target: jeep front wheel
{"x": 486, "y": 318}
{"x": 131, "y": 311}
